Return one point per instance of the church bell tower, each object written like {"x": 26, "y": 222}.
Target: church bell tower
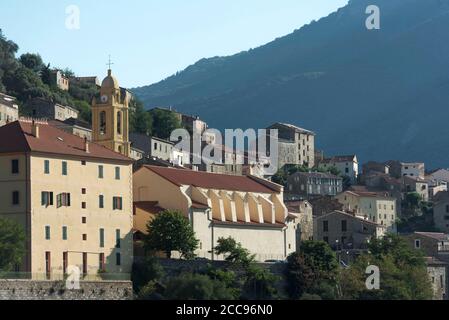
{"x": 110, "y": 116}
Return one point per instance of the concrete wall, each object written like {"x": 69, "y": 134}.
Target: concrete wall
{"x": 56, "y": 290}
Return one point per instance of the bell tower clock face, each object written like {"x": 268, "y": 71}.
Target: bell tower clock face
{"x": 104, "y": 98}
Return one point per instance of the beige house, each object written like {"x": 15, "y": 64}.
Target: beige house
{"x": 375, "y": 206}
{"x": 73, "y": 198}
{"x": 347, "y": 165}
{"x": 249, "y": 209}
{"x": 342, "y": 230}
{"x": 9, "y": 109}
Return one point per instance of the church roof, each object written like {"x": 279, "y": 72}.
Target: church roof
{"x": 212, "y": 180}
{"x": 110, "y": 81}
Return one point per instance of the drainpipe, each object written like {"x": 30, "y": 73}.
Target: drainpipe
{"x": 212, "y": 233}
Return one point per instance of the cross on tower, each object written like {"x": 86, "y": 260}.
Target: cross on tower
{"x": 110, "y": 63}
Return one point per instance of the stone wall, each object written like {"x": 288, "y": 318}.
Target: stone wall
{"x": 56, "y": 290}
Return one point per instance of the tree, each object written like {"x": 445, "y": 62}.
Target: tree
{"x": 313, "y": 270}
{"x": 234, "y": 252}
{"x": 149, "y": 270}
{"x": 196, "y": 287}
{"x": 171, "y": 231}
{"x": 403, "y": 274}
{"x": 32, "y": 61}
{"x": 412, "y": 204}
{"x": 140, "y": 120}
{"x": 164, "y": 122}
{"x": 12, "y": 244}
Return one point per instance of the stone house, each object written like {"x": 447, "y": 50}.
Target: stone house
{"x": 342, "y": 230}
{"x": 347, "y": 165}
{"x": 441, "y": 211}
{"x": 9, "y": 109}
{"x": 45, "y": 109}
{"x": 296, "y": 145}
{"x": 310, "y": 184}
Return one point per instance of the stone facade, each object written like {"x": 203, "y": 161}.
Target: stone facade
{"x": 9, "y": 109}
{"x": 345, "y": 231}
{"x": 296, "y": 145}
{"x": 310, "y": 184}
{"x": 42, "y": 108}
{"x": 56, "y": 290}
{"x": 441, "y": 211}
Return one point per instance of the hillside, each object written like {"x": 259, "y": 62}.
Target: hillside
{"x": 381, "y": 93}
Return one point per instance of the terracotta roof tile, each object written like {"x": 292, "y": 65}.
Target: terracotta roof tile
{"x": 19, "y": 138}
{"x": 211, "y": 180}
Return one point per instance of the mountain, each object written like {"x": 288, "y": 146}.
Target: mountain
{"x": 382, "y": 94}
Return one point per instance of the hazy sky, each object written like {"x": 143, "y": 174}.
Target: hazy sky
{"x": 151, "y": 39}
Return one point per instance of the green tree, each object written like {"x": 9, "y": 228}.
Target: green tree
{"x": 12, "y": 244}
{"x": 313, "y": 270}
{"x": 196, "y": 287}
{"x": 164, "y": 122}
{"x": 171, "y": 231}
{"x": 412, "y": 204}
{"x": 403, "y": 273}
{"x": 32, "y": 61}
{"x": 85, "y": 110}
{"x": 140, "y": 120}
{"x": 8, "y": 62}
{"x": 148, "y": 270}
{"x": 234, "y": 252}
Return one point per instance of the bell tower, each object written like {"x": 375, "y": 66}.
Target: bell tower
{"x": 110, "y": 116}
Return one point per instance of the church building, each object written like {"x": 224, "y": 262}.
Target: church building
{"x": 110, "y": 116}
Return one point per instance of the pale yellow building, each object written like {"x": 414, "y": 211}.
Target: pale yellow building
{"x": 246, "y": 208}
{"x": 375, "y": 207}
{"x": 73, "y": 198}
{"x": 110, "y": 116}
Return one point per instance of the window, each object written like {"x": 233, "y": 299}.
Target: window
{"x": 100, "y": 172}
{"x": 101, "y": 201}
{"x": 117, "y": 173}
{"x": 83, "y": 163}
{"x": 63, "y": 200}
{"x": 118, "y": 259}
{"x": 15, "y": 166}
{"x": 84, "y": 237}
{"x": 47, "y": 166}
{"x": 48, "y": 264}
{"x": 15, "y": 198}
{"x": 47, "y": 232}
{"x": 119, "y": 122}
{"x": 344, "y": 226}
{"x": 83, "y": 220}
{"x": 101, "y": 262}
{"x": 64, "y": 233}
{"x": 325, "y": 226}
{"x": 64, "y": 168}
{"x": 101, "y": 238}
{"x": 103, "y": 122}
{"x": 84, "y": 262}
{"x": 83, "y": 205}
{"x": 65, "y": 261}
{"x": 83, "y": 191}
{"x": 117, "y": 238}
{"x": 155, "y": 146}
{"x": 417, "y": 244}
{"x": 117, "y": 203}
{"x": 46, "y": 198}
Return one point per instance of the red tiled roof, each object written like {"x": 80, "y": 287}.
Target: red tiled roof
{"x": 17, "y": 137}
{"x": 211, "y": 180}
{"x": 249, "y": 224}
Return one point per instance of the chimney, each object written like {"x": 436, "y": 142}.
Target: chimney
{"x": 86, "y": 145}
{"x": 35, "y": 129}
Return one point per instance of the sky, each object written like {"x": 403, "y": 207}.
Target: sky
{"x": 149, "y": 40}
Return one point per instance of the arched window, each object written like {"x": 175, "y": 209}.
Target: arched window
{"x": 119, "y": 122}
{"x": 103, "y": 122}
